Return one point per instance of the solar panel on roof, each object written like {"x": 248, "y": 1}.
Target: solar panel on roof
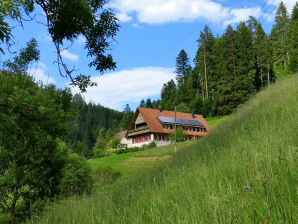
{"x": 192, "y": 122}
{"x": 170, "y": 120}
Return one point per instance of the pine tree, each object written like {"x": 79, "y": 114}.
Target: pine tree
{"x": 279, "y": 37}
{"x": 204, "y": 56}
{"x": 197, "y": 104}
{"x": 261, "y": 54}
{"x": 148, "y": 103}
{"x": 182, "y": 67}
{"x": 142, "y": 103}
{"x": 293, "y": 39}
{"x": 168, "y": 95}
{"x": 246, "y": 72}
{"x": 100, "y": 140}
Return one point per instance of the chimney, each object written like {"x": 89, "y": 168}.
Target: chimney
{"x": 193, "y": 115}
{"x": 160, "y": 109}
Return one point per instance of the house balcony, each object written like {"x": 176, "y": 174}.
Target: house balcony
{"x": 138, "y": 131}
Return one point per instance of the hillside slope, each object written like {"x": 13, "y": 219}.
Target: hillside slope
{"x": 245, "y": 171}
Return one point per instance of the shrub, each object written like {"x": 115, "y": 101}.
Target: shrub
{"x": 98, "y": 153}
{"x": 152, "y": 145}
{"x": 114, "y": 142}
{"x": 75, "y": 176}
{"x": 133, "y": 149}
{"x": 121, "y": 151}
{"x": 180, "y": 136}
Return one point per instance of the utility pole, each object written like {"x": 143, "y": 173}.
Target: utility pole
{"x": 175, "y": 132}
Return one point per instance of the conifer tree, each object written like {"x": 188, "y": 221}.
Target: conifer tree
{"x": 261, "y": 54}
{"x": 182, "y": 66}
{"x": 168, "y": 95}
{"x": 142, "y": 104}
{"x": 293, "y": 39}
{"x": 246, "y": 72}
{"x": 204, "y": 56}
{"x": 279, "y": 36}
{"x": 148, "y": 103}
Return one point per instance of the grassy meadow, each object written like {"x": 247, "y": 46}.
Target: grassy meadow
{"x": 245, "y": 171}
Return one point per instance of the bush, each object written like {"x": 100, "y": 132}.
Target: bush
{"x": 121, "y": 151}
{"x": 152, "y": 145}
{"x": 75, "y": 176}
{"x": 133, "y": 149}
{"x": 114, "y": 142}
{"x": 180, "y": 136}
{"x": 98, "y": 153}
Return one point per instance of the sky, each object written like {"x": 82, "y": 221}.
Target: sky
{"x": 152, "y": 34}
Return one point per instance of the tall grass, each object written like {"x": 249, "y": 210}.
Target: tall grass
{"x": 245, "y": 171}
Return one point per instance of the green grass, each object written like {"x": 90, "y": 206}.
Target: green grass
{"x": 130, "y": 163}
{"x": 205, "y": 182}
{"x": 214, "y": 121}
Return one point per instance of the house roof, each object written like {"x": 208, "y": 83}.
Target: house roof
{"x": 154, "y": 124}
{"x": 122, "y": 134}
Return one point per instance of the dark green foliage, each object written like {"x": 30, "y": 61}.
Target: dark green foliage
{"x": 293, "y": 39}
{"x": 148, "y": 103}
{"x": 99, "y": 152}
{"x": 89, "y": 120}
{"x": 280, "y": 38}
{"x": 126, "y": 118}
{"x": 82, "y": 149}
{"x": 205, "y": 60}
{"x": 75, "y": 175}
{"x": 142, "y": 103}
{"x": 207, "y": 105}
{"x": 180, "y": 136}
{"x": 197, "y": 104}
{"x": 168, "y": 95}
{"x": 32, "y": 118}
{"x": 183, "y": 107}
{"x": 182, "y": 67}
{"x": 152, "y": 145}
{"x": 114, "y": 142}
{"x": 100, "y": 140}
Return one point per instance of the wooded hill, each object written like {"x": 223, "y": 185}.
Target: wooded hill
{"x": 228, "y": 69}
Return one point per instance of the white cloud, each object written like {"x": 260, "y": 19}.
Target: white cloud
{"x": 115, "y": 89}
{"x": 72, "y": 57}
{"x": 288, "y": 3}
{"x": 81, "y": 40}
{"x": 242, "y": 15}
{"x": 38, "y": 74}
{"x": 135, "y": 25}
{"x": 123, "y": 17}
{"x": 165, "y": 11}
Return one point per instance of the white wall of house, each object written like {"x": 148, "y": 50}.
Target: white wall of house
{"x": 128, "y": 141}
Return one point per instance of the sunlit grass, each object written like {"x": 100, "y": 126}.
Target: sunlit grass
{"x": 213, "y": 121}
{"x": 245, "y": 171}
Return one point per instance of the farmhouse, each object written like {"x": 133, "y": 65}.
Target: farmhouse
{"x": 155, "y": 125}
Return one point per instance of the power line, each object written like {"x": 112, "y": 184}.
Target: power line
{"x": 174, "y": 46}
{"x": 268, "y": 7}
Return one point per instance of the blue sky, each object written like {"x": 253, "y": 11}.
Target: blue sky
{"x": 151, "y": 36}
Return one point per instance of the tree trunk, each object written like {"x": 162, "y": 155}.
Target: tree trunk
{"x": 205, "y": 65}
